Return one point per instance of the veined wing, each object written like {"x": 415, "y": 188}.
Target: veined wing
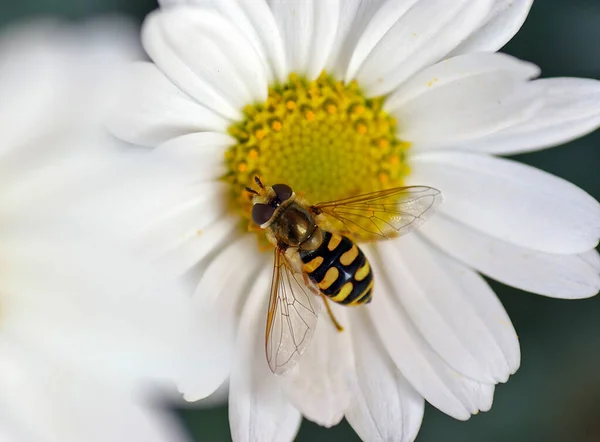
{"x": 292, "y": 316}
{"x": 386, "y": 213}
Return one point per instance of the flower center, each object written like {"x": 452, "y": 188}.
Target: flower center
{"x": 323, "y": 138}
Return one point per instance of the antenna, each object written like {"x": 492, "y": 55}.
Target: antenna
{"x": 259, "y": 182}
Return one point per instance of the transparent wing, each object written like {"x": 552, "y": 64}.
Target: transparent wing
{"x": 292, "y": 315}
{"x": 383, "y": 214}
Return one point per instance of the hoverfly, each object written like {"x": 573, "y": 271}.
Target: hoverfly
{"x": 310, "y": 261}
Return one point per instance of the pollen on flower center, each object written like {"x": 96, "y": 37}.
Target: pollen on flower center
{"x": 323, "y": 138}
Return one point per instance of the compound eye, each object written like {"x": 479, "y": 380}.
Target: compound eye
{"x": 261, "y": 213}
{"x": 283, "y": 191}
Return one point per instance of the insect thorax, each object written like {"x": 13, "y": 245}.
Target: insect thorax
{"x": 294, "y": 226}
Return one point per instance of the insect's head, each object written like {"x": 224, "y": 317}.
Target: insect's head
{"x": 267, "y": 200}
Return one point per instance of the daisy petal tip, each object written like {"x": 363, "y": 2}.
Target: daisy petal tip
{"x": 462, "y": 416}
{"x": 192, "y": 393}
{"x": 192, "y": 398}
{"x": 504, "y": 20}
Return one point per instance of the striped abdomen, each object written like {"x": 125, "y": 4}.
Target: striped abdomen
{"x": 340, "y": 270}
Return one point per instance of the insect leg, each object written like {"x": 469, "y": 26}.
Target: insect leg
{"x": 335, "y": 322}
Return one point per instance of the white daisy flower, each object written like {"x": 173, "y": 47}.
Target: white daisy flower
{"x": 340, "y": 98}
{"x": 80, "y": 337}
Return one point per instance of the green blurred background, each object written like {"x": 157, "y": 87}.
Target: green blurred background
{"x": 555, "y": 396}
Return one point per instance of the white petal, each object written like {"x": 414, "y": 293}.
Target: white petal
{"x": 325, "y": 29}
{"x": 559, "y": 276}
{"x": 221, "y": 294}
{"x": 502, "y": 23}
{"x": 261, "y": 30}
{"x": 455, "y": 71}
{"x": 201, "y": 206}
{"x": 258, "y": 408}
{"x": 127, "y": 329}
{"x": 220, "y": 69}
{"x": 570, "y": 110}
{"x": 320, "y": 384}
{"x": 592, "y": 257}
{"x": 154, "y": 110}
{"x": 385, "y": 407}
{"x": 206, "y": 150}
{"x": 194, "y": 249}
{"x": 372, "y": 26}
{"x": 255, "y": 20}
{"x": 354, "y": 16}
{"x": 445, "y": 388}
{"x": 511, "y": 201}
{"x": 296, "y": 25}
{"x": 67, "y": 406}
{"x": 408, "y": 36}
{"x": 308, "y": 28}
{"x": 218, "y": 398}
{"x": 465, "y": 98}
{"x": 437, "y": 298}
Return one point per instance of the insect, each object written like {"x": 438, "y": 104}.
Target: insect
{"x": 310, "y": 261}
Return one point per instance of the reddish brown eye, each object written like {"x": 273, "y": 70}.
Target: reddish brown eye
{"x": 261, "y": 213}
{"x": 283, "y": 191}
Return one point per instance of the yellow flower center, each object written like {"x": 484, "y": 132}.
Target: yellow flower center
{"x": 323, "y": 138}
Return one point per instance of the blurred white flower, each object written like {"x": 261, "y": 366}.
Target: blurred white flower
{"x": 338, "y": 98}
{"x": 85, "y": 327}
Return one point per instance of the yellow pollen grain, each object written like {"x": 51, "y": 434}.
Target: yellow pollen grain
{"x": 276, "y": 125}
{"x": 359, "y": 110}
{"x": 259, "y": 134}
{"x": 435, "y": 80}
{"x": 361, "y": 128}
{"x": 324, "y": 138}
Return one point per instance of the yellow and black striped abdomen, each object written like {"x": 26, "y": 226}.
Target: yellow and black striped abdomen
{"x": 340, "y": 270}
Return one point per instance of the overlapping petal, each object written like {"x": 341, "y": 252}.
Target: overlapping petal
{"x": 442, "y": 386}
{"x": 561, "y": 276}
{"x": 221, "y": 69}
{"x": 154, "y": 110}
{"x": 221, "y": 293}
{"x": 501, "y": 24}
{"x": 258, "y": 407}
{"x": 511, "y": 201}
{"x": 321, "y": 384}
{"x": 256, "y": 20}
{"x": 385, "y": 406}
{"x": 570, "y": 109}
{"x": 308, "y": 30}
{"x": 57, "y": 398}
{"x": 464, "y": 98}
{"x": 441, "y": 309}
{"x": 409, "y": 36}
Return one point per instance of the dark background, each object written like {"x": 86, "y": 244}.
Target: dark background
{"x": 555, "y": 396}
